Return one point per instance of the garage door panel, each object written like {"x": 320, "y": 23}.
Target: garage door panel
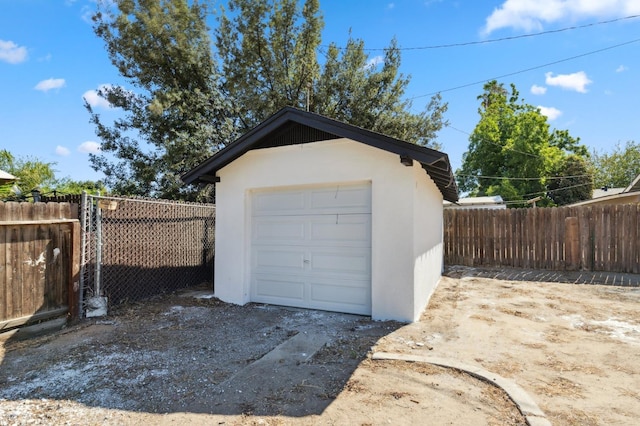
{"x": 354, "y": 299}
{"x": 276, "y": 258}
{"x": 337, "y": 264}
{"x": 343, "y": 198}
{"x": 270, "y": 289}
{"x": 290, "y": 201}
{"x": 342, "y": 228}
{"x": 270, "y": 229}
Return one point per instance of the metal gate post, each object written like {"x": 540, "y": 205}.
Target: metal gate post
{"x": 83, "y": 250}
{"x": 98, "y": 289}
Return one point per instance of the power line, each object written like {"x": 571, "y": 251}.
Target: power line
{"x": 526, "y": 70}
{"x": 544, "y": 193}
{"x": 495, "y": 40}
{"x": 458, "y": 130}
{"x": 526, "y": 179}
{"x": 558, "y": 189}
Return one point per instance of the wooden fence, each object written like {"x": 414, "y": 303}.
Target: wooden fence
{"x": 39, "y": 262}
{"x": 598, "y": 238}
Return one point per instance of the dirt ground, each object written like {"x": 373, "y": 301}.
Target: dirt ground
{"x": 180, "y": 360}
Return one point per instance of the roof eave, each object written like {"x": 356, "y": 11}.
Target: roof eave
{"x": 435, "y": 163}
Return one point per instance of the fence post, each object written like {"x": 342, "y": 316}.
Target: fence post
{"x": 98, "y": 290}
{"x": 84, "y": 211}
{"x": 572, "y": 243}
{"x": 75, "y": 289}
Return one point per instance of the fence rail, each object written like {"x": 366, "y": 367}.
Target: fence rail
{"x": 597, "y": 238}
{"x": 39, "y": 262}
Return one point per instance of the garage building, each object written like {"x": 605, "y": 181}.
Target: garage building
{"x": 315, "y": 213}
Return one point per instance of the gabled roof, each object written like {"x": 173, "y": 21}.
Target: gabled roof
{"x": 291, "y": 126}
{"x": 6, "y": 177}
{"x": 495, "y": 201}
{"x": 619, "y": 198}
{"x": 634, "y": 186}
{"x": 605, "y": 192}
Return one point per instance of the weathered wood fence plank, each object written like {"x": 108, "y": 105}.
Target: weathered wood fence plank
{"x": 39, "y": 261}
{"x": 597, "y": 238}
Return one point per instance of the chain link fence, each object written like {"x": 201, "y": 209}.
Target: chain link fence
{"x": 135, "y": 248}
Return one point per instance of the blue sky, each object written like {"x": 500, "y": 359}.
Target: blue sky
{"x": 583, "y": 73}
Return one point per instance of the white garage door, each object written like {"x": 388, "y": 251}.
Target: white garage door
{"x": 311, "y": 248}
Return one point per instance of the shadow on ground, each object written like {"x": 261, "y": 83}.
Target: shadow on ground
{"x": 570, "y": 277}
{"x": 180, "y": 353}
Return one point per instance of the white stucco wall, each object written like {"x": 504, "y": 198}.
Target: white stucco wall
{"x": 427, "y": 243}
{"x": 406, "y": 218}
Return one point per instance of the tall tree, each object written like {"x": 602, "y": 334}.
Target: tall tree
{"x": 268, "y": 56}
{"x": 617, "y": 168}
{"x": 181, "y": 106}
{"x": 512, "y": 150}
{"x": 354, "y": 88}
{"x": 173, "y": 116}
{"x": 267, "y": 53}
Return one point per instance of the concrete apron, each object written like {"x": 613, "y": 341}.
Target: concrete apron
{"x": 278, "y": 364}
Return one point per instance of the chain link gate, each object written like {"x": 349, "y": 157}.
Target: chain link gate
{"x": 135, "y": 248}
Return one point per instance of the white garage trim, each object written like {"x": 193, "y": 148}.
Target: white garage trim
{"x": 311, "y": 247}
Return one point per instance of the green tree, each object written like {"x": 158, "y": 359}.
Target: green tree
{"x": 174, "y": 116}
{"x": 572, "y": 181}
{"x": 69, "y": 186}
{"x": 182, "y": 106}
{"x": 352, "y": 89}
{"x": 512, "y": 148}
{"x": 617, "y": 168}
{"x": 31, "y": 172}
{"x": 268, "y": 56}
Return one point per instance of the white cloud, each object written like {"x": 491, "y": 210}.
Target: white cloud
{"x": 538, "y": 90}
{"x": 12, "y": 53}
{"x": 89, "y": 147}
{"x": 87, "y": 14}
{"x": 95, "y": 100}
{"x": 622, "y": 68}
{"x": 374, "y": 62}
{"x": 550, "y": 112}
{"x": 50, "y": 84}
{"x": 530, "y": 15}
{"x": 62, "y": 151}
{"x": 577, "y": 81}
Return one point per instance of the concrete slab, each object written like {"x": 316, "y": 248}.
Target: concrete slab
{"x": 278, "y": 371}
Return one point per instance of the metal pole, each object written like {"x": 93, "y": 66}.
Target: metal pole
{"x": 83, "y": 250}
{"x": 98, "y": 289}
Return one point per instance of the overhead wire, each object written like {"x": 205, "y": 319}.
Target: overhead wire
{"x": 545, "y": 193}
{"x": 462, "y": 86}
{"x": 525, "y": 178}
{"x": 496, "y": 40}
{"x": 450, "y": 45}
